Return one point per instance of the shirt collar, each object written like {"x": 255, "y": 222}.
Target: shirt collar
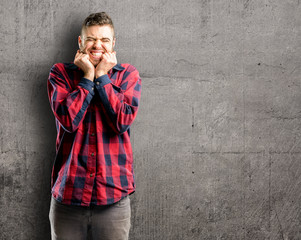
{"x": 117, "y": 67}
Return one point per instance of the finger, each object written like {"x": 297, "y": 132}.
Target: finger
{"x": 86, "y": 57}
{"x": 105, "y": 55}
{"x": 80, "y": 52}
{"x": 113, "y": 55}
{"x": 77, "y": 53}
{"x": 105, "y": 48}
{"x": 76, "y": 58}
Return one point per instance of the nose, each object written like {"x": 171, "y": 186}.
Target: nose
{"x": 97, "y": 44}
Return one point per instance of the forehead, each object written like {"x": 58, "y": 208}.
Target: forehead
{"x": 104, "y": 31}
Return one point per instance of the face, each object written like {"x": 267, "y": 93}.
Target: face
{"x": 92, "y": 40}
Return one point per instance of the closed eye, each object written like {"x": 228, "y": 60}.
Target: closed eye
{"x": 105, "y": 40}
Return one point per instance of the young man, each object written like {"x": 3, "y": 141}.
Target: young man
{"x": 94, "y": 101}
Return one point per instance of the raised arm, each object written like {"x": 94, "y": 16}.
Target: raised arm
{"x": 69, "y": 105}
{"x": 120, "y": 103}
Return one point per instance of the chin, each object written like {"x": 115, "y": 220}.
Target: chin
{"x": 95, "y": 62}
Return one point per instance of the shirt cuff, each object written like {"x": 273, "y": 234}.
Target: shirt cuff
{"x": 87, "y": 84}
{"x": 102, "y": 80}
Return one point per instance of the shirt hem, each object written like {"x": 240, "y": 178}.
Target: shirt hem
{"x": 91, "y": 204}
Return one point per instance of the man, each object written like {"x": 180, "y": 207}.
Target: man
{"x": 94, "y": 101}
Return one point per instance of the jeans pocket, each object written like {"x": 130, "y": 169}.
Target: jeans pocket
{"x": 125, "y": 202}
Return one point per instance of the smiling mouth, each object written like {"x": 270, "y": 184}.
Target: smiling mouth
{"x": 96, "y": 55}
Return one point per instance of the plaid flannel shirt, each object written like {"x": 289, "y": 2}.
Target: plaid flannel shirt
{"x": 94, "y": 159}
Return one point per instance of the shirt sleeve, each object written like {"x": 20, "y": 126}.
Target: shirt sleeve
{"x": 120, "y": 103}
{"x": 68, "y": 104}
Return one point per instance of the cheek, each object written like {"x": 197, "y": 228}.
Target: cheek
{"x": 109, "y": 46}
{"x": 87, "y": 45}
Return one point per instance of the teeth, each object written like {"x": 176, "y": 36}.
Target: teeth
{"x": 96, "y": 54}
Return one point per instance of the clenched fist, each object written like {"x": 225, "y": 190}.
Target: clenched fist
{"x": 83, "y": 62}
{"x": 108, "y": 61}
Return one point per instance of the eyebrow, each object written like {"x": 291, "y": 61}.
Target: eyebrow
{"x": 104, "y": 38}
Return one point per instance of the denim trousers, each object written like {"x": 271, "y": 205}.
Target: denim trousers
{"x": 111, "y": 222}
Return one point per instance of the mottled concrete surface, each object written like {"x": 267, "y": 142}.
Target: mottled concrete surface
{"x": 217, "y": 139}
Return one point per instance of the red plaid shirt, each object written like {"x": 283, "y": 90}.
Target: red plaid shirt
{"x": 94, "y": 159}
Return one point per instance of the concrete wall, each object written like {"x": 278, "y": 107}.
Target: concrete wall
{"x": 217, "y": 139}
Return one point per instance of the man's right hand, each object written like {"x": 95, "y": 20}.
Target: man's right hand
{"x": 82, "y": 61}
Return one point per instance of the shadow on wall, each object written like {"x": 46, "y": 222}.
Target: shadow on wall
{"x": 67, "y": 42}
{"x": 66, "y": 46}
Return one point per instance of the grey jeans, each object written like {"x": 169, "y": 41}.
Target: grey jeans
{"x": 111, "y": 222}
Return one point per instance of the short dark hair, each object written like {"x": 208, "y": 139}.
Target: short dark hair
{"x": 100, "y": 18}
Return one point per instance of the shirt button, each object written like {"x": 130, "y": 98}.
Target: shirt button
{"x": 91, "y": 174}
{"x": 97, "y": 83}
{"x": 92, "y": 88}
{"x": 93, "y": 134}
{"x": 92, "y": 154}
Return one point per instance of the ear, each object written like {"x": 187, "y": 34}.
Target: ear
{"x": 114, "y": 40}
{"x": 79, "y": 42}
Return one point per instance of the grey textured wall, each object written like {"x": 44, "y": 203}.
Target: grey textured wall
{"x": 217, "y": 139}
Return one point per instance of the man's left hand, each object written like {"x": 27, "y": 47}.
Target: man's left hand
{"x": 107, "y": 62}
